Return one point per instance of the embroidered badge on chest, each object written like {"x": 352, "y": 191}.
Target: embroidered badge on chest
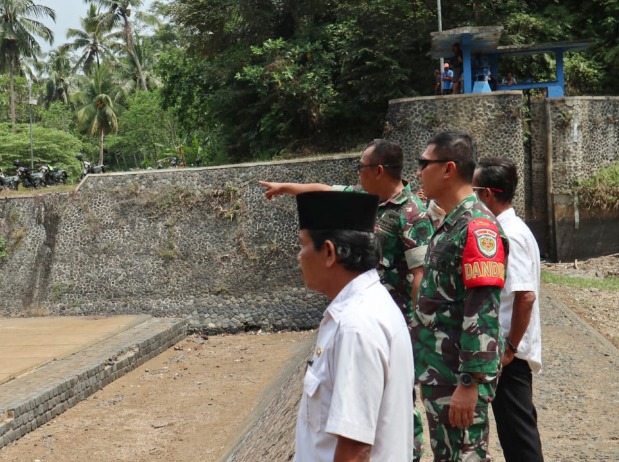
{"x": 486, "y": 241}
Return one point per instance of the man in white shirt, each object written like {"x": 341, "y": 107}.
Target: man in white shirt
{"x": 358, "y": 388}
{"x": 495, "y": 182}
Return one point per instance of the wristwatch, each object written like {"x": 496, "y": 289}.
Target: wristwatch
{"x": 466, "y": 380}
{"x": 510, "y": 345}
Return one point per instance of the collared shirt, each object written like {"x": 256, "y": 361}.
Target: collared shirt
{"x": 523, "y": 275}
{"x": 455, "y": 328}
{"x": 404, "y": 229}
{"x": 359, "y": 383}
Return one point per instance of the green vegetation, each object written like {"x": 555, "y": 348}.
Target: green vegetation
{"x": 3, "y": 252}
{"x": 610, "y": 284}
{"x": 221, "y": 81}
{"x": 601, "y": 191}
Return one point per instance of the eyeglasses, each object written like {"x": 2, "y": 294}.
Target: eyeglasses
{"x": 423, "y": 163}
{"x": 361, "y": 166}
{"x": 481, "y": 188}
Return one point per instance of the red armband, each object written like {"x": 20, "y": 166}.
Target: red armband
{"x": 483, "y": 258}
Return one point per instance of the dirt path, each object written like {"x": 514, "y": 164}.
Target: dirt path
{"x": 188, "y": 404}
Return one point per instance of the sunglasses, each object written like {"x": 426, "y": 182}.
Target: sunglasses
{"x": 423, "y": 163}
{"x": 481, "y": 188}
{"x": 361, "y": 166}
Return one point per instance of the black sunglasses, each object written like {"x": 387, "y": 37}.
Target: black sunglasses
{"x": 361, "y": 166}
{"x": 423, "y": 163}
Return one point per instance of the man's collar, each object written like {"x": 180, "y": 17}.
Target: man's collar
{"x": 505, "y": 214}
{"x": 400, "y": 197}
{"x": 464, "y": 205}
{"x": 356, "y": 286}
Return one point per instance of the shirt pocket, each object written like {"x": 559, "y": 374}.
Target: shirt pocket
{"x": 445, "y": 258}
{"x": 311, "y": 397}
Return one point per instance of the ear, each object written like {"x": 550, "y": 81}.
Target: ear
{"x": 331, "y": 257}
{"x": 450, "y": 170}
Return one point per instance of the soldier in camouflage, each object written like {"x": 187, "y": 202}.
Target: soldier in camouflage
{"x": 402, "y": 225}
{"x": 455, "y": 325}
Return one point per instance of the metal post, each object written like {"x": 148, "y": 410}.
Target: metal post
{"x": 440, "y": 29}
{"x": 30, "y": 111}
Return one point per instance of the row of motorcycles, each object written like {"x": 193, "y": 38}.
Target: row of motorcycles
{"x": 45, "y": 176}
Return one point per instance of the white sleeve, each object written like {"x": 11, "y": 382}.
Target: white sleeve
{"x": 359, "y": 372}
{"x": 520, "y": 266}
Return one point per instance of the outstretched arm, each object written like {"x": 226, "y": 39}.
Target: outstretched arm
{"x": 277, "y": 189}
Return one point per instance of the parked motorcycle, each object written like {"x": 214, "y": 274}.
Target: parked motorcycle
{"x": 29, "y": 179}
{"x": 53, "y": 175}
{"x": 10, "y": 182}
{"x": 88, "y": 168}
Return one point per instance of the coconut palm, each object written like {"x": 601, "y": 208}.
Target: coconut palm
{"x": 19, "y": 27}
{"x": 99, "y": 101}
{"x": 119, "y": 12}
{"x": 145, "y": 52}
{"x": 59, "y": 70}
{"x": 94, "y": 40}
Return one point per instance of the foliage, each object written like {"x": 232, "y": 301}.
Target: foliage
{"x": 146, "y": 132}
{"x": 94, "y": 41}
{"x": 18, "y": 32}
{"x": 51, "y": 146}
{"x": 233, "y": 80}
{"x": 99, "y": 105}
{"x": 3, "y": 252}
{"x": 601, "y": 191}
{"x": 59, "y": 116}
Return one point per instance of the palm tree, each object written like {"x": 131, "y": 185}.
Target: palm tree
{"x": 119, "y": 11}
{"x": 59, "y": 70}
{"x": 17, "y": 36}
{"x": 99, "y": 99}
{"x": 93, "y": 39}
{"x": 145, "y": 52}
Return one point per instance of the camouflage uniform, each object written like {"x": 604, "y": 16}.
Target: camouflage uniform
{"x": 404, "y": 230}
{"x": 455, "y": 325}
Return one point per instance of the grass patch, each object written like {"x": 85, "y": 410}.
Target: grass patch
{"x": 609, "y": 284}
{"x": 37, "y": 191}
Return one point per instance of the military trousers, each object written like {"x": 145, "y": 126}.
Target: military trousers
{"x": 453, "y": 444}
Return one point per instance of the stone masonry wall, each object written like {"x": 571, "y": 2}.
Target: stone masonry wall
{"x": 494, "y": 121}
{"x": 585, "y": 139}
{"x": 202, "y": 244}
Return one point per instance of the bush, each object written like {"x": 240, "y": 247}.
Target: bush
{"x": 601, "y": 191}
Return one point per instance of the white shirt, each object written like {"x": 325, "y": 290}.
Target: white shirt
{"x": 359, "y": 383}
{"x": 523, "y": 275}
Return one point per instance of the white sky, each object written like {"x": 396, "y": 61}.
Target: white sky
{"x": 68, "y": 14}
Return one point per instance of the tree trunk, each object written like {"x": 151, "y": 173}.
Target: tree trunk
{"x": 134, "y": 56}
{"x": 101, "y": 138}
{"x": 12, "y": 91}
